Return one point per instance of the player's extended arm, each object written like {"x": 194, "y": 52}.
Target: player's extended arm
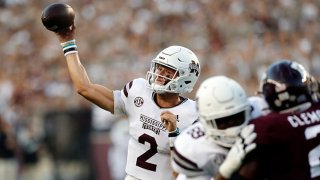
{"x": 97, "y": 94}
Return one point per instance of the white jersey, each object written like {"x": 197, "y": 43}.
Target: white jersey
{"x": 148, "y": 150}
{"x": 196, "y": 156}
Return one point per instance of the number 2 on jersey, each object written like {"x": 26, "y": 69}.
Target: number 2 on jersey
{"x": 314, "y": 154}
{"x": 142, "y": 160}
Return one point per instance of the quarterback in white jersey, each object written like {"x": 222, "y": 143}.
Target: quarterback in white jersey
{"x": 224, "y": 110}
{"x": 148, "y": 150}
{"x": 156, "y": 112}
{"x": 154, "y": 106}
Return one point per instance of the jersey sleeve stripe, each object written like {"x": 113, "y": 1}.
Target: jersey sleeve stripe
{"x": 197, "y": 120}
{"x": 184, "y": 162}
{"x": 125, "y": 90}
{"x": 185, "y": 167}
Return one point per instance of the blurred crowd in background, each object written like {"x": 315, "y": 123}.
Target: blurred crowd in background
{"x": 53, "y": 133}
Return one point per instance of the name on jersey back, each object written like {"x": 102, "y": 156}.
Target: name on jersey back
{"x": 304, "y": 118}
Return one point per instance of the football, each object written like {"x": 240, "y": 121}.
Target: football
{"x": 57, "y": 16}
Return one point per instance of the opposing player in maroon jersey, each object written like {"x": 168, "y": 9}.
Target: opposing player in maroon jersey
{"x": 288, "y": 139}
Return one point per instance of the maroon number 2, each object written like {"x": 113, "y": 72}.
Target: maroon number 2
{"x": 142, "y": 160}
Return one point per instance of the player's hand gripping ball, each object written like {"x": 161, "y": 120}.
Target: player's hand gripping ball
{"x": 57, "y": 16}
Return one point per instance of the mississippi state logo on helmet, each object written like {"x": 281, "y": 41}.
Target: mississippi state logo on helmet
{"x": 194, "y": 68}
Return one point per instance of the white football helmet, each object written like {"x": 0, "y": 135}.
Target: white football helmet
{"x": 221, "y": 101}
{"x": 186, "y": 66}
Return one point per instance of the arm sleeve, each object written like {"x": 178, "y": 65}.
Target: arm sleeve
{"x": 119, "y": 104}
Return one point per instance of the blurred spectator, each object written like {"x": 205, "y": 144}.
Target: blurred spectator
{"x": 68, "y": 142}
{"x": 117, "y": 154}
{"x": 8, "y": 158}
{"x": 30, "y": 142}
{"x": 102, "y": 122}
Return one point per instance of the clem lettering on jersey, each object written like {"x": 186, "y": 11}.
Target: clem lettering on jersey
{"x": 152, "y": 124}
{"x": 138, "y": 101}
{"x": 304, "y": 118}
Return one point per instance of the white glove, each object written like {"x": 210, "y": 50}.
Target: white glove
{"x": 239, "y": 150}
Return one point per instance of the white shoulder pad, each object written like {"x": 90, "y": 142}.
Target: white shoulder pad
{"x": 259, "y": 106}
{"x": 134, "y": 85}
{"x": 121, "y": 96}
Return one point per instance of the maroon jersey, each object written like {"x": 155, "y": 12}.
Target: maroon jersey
{"x": 289, "y": 144}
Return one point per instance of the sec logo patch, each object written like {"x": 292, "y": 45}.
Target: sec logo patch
{"x": 138, "y": 101}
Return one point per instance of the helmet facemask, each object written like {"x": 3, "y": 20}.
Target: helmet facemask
{"x": 286, "y": 86}
{"x": 169, "y": 85}
{"x": 225, "y": 130}
{"x": 285, "y": 98}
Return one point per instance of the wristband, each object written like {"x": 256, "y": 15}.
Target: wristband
{"x": 69, "y": 47}
{"x": 172, "y": 137}
{"x": 174, "y": 133}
